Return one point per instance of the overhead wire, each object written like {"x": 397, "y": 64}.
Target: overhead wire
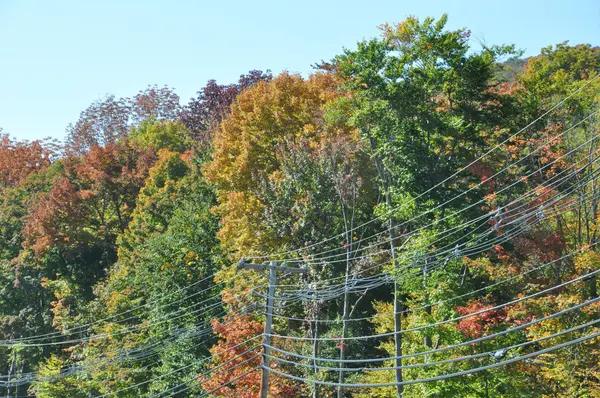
{"x": 126, "y": 356}
{"x": 446, "y": 321}
{"x": 312, "y": 294}
{"x": 439, "y": 302}
{"x": 412, "y": 200}
{"x": 560, "y": 195}
{"x": 318, "y": 257}
{"x": 188, "y": 366}
{"x": 147, "y": 304}
{"x": 441, "y": 377}
{"x": 426, "y": 364}
{"x": 438, "y": 350}
{"x": 163, "y": 319}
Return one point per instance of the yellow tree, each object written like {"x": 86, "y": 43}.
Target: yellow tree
{"x": 267, "y": 123}
{"x": 289, "y": 172}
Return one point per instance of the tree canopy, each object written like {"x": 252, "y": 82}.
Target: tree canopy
{"x": 440, "y": 200}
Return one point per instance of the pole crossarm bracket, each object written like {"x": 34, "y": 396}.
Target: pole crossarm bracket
{"x": 268, "y": 266}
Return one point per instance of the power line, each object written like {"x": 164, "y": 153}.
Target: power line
{"x": 70, "y": 332}
{"x": 594, "y": 137}
{"x": 449, "y": 347}
{"x": 414, "y": 329}
{"x": 412, "y": 200}
{"x": 312, "y": 294}
{"x": 527, "y": 212}
{"x": 188, "y": 366}
{"x": 427, "y": 364}
{"x": 454, "y": 298}
{"x": 442, "y": 377}
{"x": 123, "y": 357}
{"x": 163, "y": 319}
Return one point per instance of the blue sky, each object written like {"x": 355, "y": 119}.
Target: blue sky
{"x": 59, "y": 56}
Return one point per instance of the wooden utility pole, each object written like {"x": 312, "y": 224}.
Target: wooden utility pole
{"x": 272, "y": 267}
{"x": 398, "y": 310}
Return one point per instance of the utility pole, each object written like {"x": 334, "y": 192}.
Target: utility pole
{"x": 272, "y": 267}
{"x": 398, "y": 308}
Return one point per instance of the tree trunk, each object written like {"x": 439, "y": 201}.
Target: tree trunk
{"x": 11, "y": 371}
{"x": 427, "y": 339}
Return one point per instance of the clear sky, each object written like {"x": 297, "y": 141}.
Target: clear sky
{"x": 56, "y": 57}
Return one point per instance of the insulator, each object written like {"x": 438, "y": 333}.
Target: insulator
{"x": 497, "y": 219}
{"x": 500, "y": 354}
{"x": 457, "y": 251}
{"x": 540, "y": 213}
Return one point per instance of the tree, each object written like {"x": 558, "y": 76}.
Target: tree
{"x": 204, "y": 113}
{"x": 415, "y": 92}
{"x": 265, "y": 121}
{"x": 231, "y": 360}
{"x": 18, "y": 159}
{"x": 156, "y": 103}
{"x": 167, "y": 134}
{"x": 108, "y": 120}
{"x": 102, "y": 123}
{"x": 166, "y": 256}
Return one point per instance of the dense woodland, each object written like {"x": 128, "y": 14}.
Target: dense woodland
{"x": 414, "y": 173}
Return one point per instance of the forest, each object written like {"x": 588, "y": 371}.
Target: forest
{"x": 434, "y": 200}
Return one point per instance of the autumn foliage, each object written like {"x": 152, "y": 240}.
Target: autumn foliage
{"x": 234, "y": 355}
{"x": 18, "y": 159}
{"x": 398, "y": 176}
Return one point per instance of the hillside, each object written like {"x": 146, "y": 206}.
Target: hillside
{"x": 414, "y": 219}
